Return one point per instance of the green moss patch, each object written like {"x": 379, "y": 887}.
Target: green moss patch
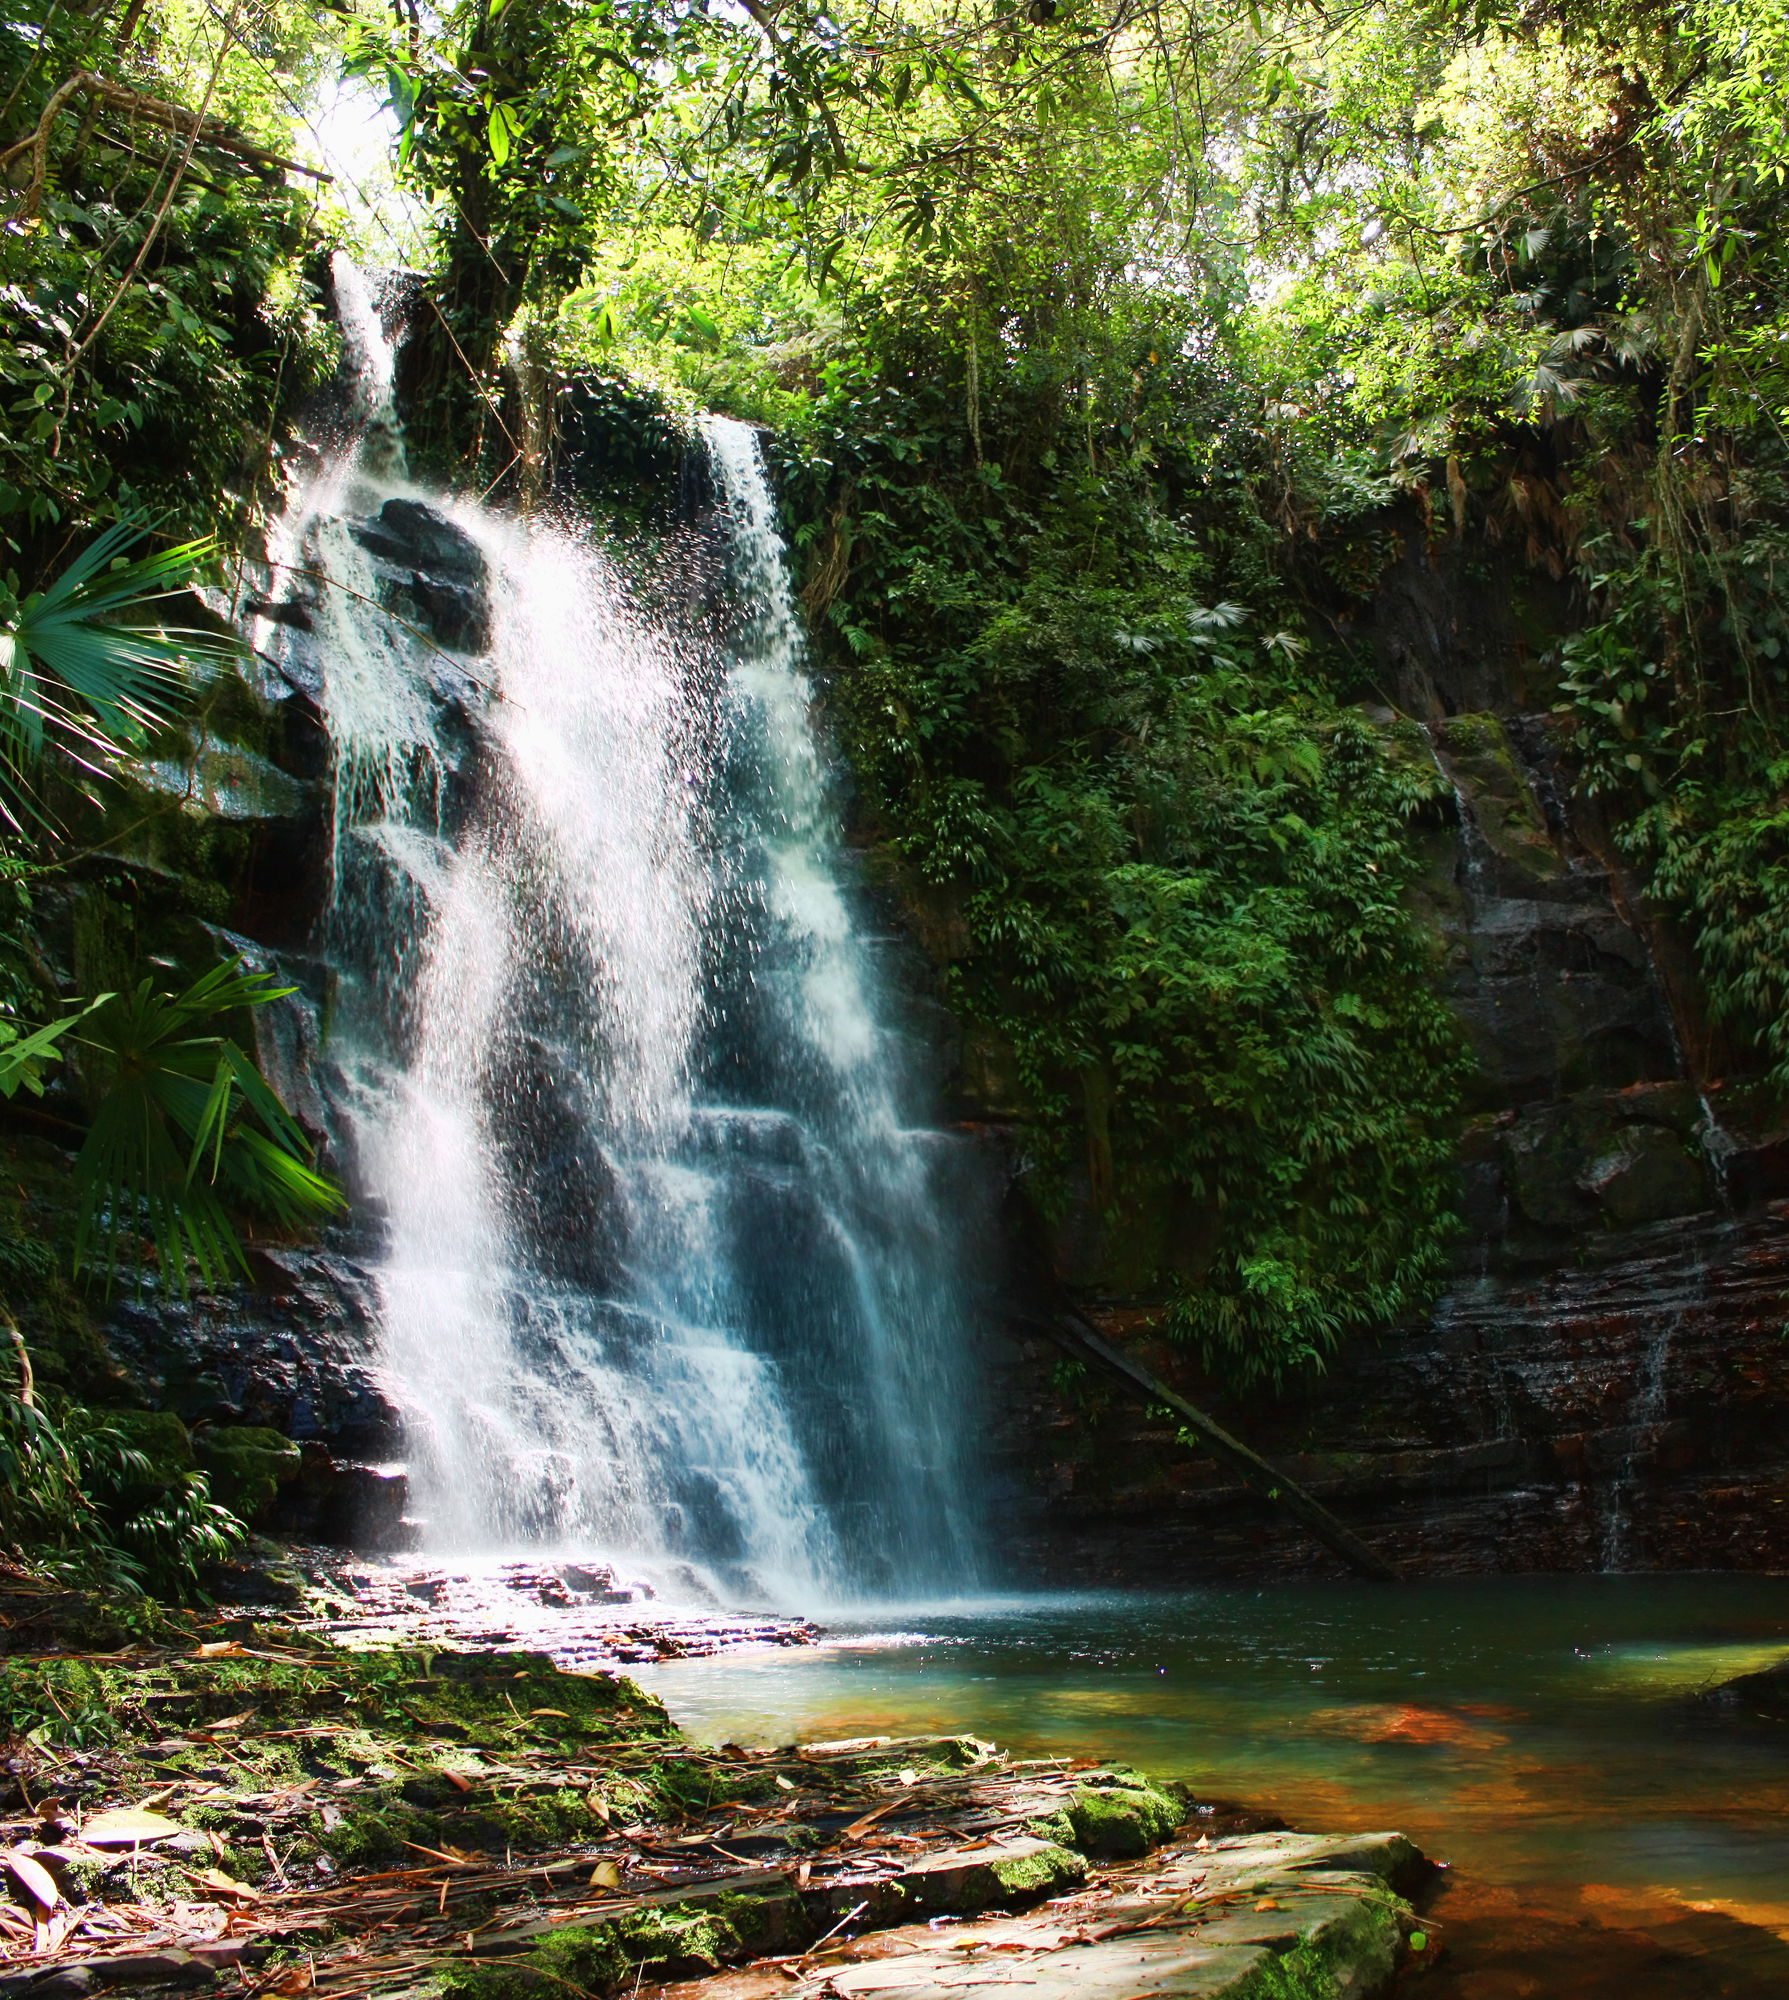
{"x": 682, "y": 1938}
{"x": 1119, "y": 1820}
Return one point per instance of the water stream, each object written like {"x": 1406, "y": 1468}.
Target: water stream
{"x": 665, "y": 1273}
{"x": 1608, "y": 1833}
{"x": 669, "y": 1258}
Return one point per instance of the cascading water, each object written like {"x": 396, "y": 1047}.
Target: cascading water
{"x": 664, "y": 1272}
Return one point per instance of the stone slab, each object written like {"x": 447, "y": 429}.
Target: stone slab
{"x": 1261, "y": 1917}
{"x": 1126, "y": 1969}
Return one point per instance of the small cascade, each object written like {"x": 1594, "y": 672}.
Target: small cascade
{"x": 1646, "y": 1419}
{"x": 666, "y": 1271}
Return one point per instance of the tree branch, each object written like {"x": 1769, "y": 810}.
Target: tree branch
{"x": 196, "y": 126}
{"x": 1077, "y": 1338}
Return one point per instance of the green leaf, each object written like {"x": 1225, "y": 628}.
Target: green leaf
{"x": 185, "y": 1125}
{"x": 503, "y": 129}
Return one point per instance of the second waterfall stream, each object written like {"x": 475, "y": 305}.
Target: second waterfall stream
{"x": 670, "y": 1265}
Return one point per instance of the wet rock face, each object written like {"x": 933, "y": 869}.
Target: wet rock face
{"x": 1551, "y": 977}
{"x": 293, "y": 1354}
{"x": 1606, "y": 1382}
{"x": 279, "y": 1385}
{"x": 433, "y": 570}
{"x": 1629, "y": 1413}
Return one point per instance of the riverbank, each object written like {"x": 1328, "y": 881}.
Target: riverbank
{"x": 257, "y": 1811}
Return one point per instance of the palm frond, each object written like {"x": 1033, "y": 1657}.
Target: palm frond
{"x": 87, "y": 666}
{"x": 186, "y": 1130}
{"x": 23, "y": 1056}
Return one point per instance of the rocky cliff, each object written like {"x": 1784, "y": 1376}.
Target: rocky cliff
{"x": 1605, "y": 1383}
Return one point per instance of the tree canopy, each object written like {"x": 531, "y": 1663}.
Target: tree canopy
{"x": 1113, "y": 351}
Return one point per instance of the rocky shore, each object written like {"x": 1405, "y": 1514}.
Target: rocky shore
{"x": 258, "y": 1809}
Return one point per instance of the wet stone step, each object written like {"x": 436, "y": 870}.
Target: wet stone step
{"x": 1003, "y": 1875}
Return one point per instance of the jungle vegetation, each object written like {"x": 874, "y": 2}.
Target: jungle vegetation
{"x": 1113, "y": 349}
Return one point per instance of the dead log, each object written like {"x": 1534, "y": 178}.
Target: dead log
{"x": 1076, "y": 1337}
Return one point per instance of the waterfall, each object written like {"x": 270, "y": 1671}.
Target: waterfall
{"x": 669, "y": 1269}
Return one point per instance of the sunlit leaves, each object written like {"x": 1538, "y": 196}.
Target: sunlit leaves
{"x": 86, "y": 664}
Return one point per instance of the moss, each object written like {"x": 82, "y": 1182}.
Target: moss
{"x": 1113, "y": 1822}
{"x": 1356, "y": 1954}
{"x": 1502, "y": 802}
{"x": 684, "y": 1939}
{"x": 395, "y": 1721}
{"x": 163, "y": 1441}
{"x": 247, "y": 1466}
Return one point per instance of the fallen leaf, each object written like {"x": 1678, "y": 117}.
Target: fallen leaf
{"x": 909, "y": 1777}
{"x": 605, "y": 1875}
{"x": 35, "y": 1879}
{"x": 127, "y": 1827}
{"x": 598, "y": 1805}
{"x": 217, "y": 1649}
{"x": 221, "y": 1884}
{"x": 457, "y": 1782}
{"x": 563, "y": 1717}
{"x": 784, "y": 1784}
{"x": 52, "y": 1931}
{"x": 1269, "y": 1903}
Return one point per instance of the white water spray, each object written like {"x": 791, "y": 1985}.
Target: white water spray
{"x": 664, "y": 1274}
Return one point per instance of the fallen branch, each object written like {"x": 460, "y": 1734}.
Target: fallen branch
{"x": 194, "y": 125}
{"x": 1076, "y": 1337}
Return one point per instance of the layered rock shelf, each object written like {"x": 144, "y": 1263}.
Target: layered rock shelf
{"x": 580, "y": 1615}
{"x": 1627, "y": 1412}
{"x": 274, "y": 1815}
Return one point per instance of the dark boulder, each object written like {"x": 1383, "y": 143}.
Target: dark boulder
{"x": 412, "y": 535}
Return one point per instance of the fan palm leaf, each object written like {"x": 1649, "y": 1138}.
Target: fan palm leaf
{"x": 87, "y": 667}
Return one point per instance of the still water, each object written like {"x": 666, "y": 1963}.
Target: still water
{"x": 1606, "y": 1833}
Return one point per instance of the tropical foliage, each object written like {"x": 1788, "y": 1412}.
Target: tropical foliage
{"x": 86, "y": 668}
{"x": 81, "y": 1505}
{"x": 184, "y": 1129}
{"x": 1114, "y": 353}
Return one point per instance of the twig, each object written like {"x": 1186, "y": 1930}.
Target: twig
{"x": 196, "y": 125}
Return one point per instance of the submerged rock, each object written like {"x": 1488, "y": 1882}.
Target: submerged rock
{"x": 1764, "y": 1694}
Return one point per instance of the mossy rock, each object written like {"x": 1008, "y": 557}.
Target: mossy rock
{"x": 1120, "y": 1821}
{"x": 1509, "y": 819}
{"x": 247, "y": 1465}
{"x": 686, "y": 1938}
{"x": 212, "y": 779}
{"x": 163, "y": 1441}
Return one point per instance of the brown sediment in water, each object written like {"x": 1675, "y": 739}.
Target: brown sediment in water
{"x": 1590, "y": 1941}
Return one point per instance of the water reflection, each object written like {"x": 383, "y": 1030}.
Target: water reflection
{"x": 1539, "y": 1733}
